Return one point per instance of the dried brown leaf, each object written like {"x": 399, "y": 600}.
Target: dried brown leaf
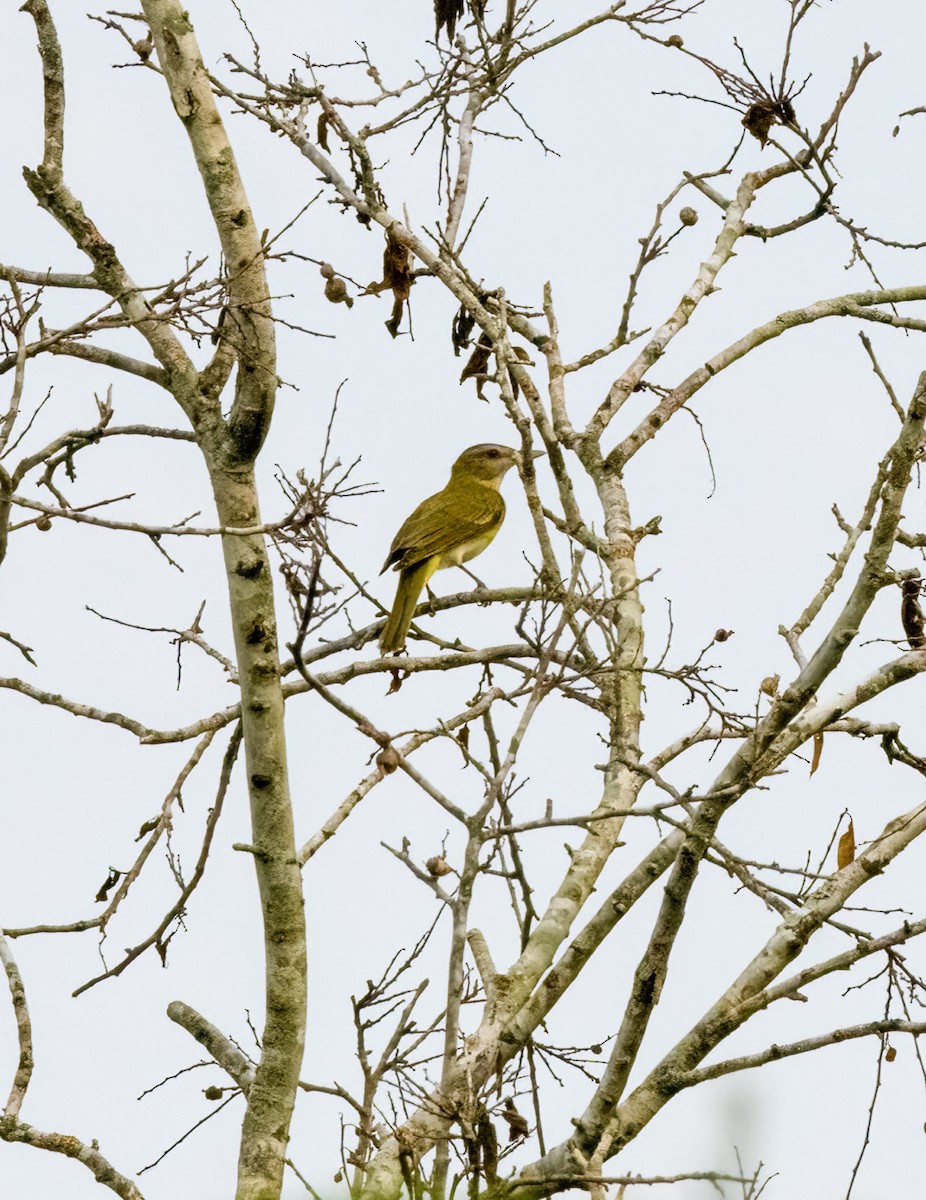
{"x": 396, "y": 270}
{"x": 764, "y": 113}
{"x": 845, "y": 852}
{"x": 488, "y": 1146}
{"x": 911, "y": 613}
{"x": 446, "y": 15}
{"x": 108, "y": 884}
{"x": 817, "y": 751}
{"x": 161, "y": 947}
{"x": 478, "y": 363}
{"x": 448, "y": 12}
{"x": 759, "y": 119}
{"x": 397, "y": 276}
{"x": 518, "y": 1127}
{"x": 322, "y": 132}
{"x": 461, "y": 331}
{"x": 395, "y": 319}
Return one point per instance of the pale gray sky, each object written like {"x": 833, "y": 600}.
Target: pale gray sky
{"x": 796, "y": 428}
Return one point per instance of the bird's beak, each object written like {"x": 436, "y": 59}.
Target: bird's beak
{"x": 538, "y": 454}
{"x": 532, "y": 455}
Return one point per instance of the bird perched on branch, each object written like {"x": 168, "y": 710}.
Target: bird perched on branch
{"x": 446, "y": 530}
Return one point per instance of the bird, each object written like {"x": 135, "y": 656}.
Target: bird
{"x": 446, "y": 530}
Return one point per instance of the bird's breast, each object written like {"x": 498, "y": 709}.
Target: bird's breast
{"x": 467, "y": 550}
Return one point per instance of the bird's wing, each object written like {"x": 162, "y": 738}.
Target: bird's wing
{"x": 445, "y": 520}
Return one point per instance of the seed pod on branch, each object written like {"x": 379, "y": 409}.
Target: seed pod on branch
{"x": 438, "y": 866}
{"x": 769, "y": 685}
{"x": 336, "y": 291}
{"x": 388, "y": 760}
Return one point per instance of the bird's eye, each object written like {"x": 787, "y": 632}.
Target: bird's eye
{"x": 491, "y": 454}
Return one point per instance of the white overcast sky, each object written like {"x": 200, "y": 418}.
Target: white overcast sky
{"x": 798, "y": 427}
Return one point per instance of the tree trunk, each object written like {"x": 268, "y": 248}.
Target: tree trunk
{"x": 250, "y": 587}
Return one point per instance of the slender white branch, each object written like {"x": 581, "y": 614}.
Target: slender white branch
{"x": 853, "y": 304}
{"x": 23, "y": 1029}
{"x": 774, "y": 1053}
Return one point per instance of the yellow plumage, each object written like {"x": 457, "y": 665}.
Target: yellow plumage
{"x": 446, "y": 530}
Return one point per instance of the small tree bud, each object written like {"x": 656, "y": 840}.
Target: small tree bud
{"x": 688, "y": 216}
{"x": 674, "y": 39}
{"x": 43, "y": 523}
{"x": 722, "y": 635}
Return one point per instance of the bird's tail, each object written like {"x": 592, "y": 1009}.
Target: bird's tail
{"x": 411, "y": 582}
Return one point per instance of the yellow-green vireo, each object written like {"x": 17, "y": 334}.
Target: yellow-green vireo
{"x": 447, "y": 530}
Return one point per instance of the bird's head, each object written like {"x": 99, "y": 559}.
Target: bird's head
{"x": 486, "y": 463}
